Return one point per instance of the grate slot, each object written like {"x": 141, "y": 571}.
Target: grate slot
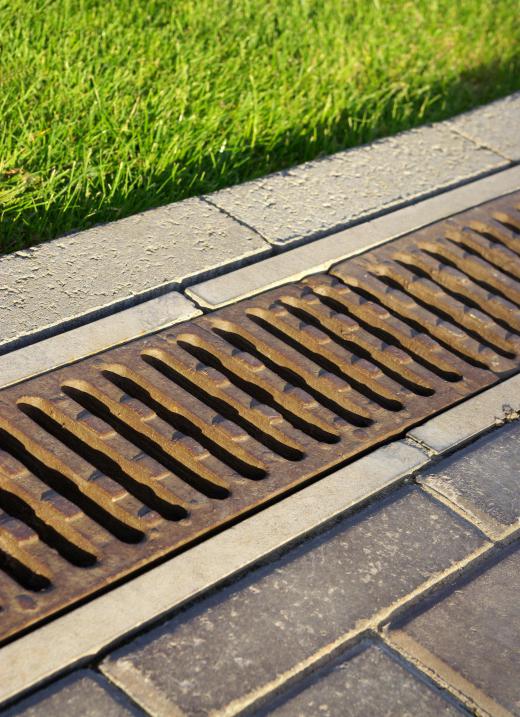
{"x": 256, "y": 424}
{"x": 359, "y": 379}
{"x": 362, "y": 347}
{"x": 386, "y": 326}
{"x": 255, "y": 386}
{"x": 182, "y": 419}
{"x": 171, "y": 455}
{"x": 317, "y": 386}
{"x": 22, "y": 567}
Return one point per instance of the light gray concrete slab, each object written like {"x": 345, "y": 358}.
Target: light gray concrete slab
{"x": 245, "y": 638}
{"x": 96, "y": 336}
{"x": 83, "y": 633}
{"x": 469, "y": 419}
{"x": 329, "y": 194}
{"x": 368, "y": 682}
{"x": 495, "y": 126}
{"x": 319, "y": 255}
{"x": 82, "y": 694}
{"x": 470, "y": 638}
{"x": 89, "y": 274}
{"x": 483, "y": 479}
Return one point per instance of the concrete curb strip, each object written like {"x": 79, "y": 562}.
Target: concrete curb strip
{"x": 320, "y": 255}
{"x": 90, "y": 274}
{"x": 469, "y": 419}
{"x": 87, "y": 275}
{"x": 91, "y": 628}
{"x": 96, "y": 336}
{"x": 327, "y": 195}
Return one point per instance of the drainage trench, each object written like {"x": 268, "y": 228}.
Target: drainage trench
{"x": 119, "y": 460}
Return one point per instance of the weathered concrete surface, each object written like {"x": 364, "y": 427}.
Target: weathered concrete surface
{"x": 82, "y": 694}
{"x": 367, "y": 683}
{"x": 483, "y": 479}
{"x": 319, "y": 255}
{"x": 96, "y": 336}
{"x": 329, "y": 194}
{"x": 471, "y": 417}
{"x": 84, "y": 273}
{"x": 495, "y": 126}
{"x": 248, "y": 634}
{"x": 473, "y": 633}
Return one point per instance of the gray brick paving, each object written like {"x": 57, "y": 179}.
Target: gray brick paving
{"x": 483, "y": 479}
{"x": 366, "y": 683}
{"x": 328, "y": 194}
{"x": 82, "y": 694}
{"x": 248, "y": 634}
{"x": 113, "y": 264}
{"x": 475, "y": 631}
{"x": 496, "y": 126}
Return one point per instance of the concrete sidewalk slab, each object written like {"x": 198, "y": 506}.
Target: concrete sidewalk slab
{"x": 495, "y": 126}
{"x": 327, "y": 195}
{"x": 84, "y": 275}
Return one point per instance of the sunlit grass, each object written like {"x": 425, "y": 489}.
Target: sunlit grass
{"x": 107, "y": 108}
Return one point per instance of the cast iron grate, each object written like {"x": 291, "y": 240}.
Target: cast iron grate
{"x": 121, "y": 459}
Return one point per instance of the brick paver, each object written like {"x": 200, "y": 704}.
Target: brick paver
{"x": 251, "y": 633}
{"x": 483, "y": 479}
{"x": 83, "y": 694}
{"x": 473, "y": 633}
{"x": 368, "y": 682}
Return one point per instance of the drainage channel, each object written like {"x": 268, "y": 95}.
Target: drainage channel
{"x": 117, "y": 461}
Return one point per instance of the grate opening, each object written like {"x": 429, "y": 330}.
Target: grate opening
{"x": 478, "y": 338}
{"x": 88, "y": 447}
{"x": 416, "y": 326}
{"x": 304, "y": 344}
{"x": 220, "y": 445}
{"x": 117, "y": 461}
{"x": 63, "y": 483}
{"x": 492, "y": 287}
{"x": 289, "y": 373}
{"x": 232, "y": 409}
{"x": 457, "y": 287}
{"x": 303, "y": 313}
{"x": 102, "y": 407}
{"x": 337, "y": 303}
{"x": 300, "y": 419}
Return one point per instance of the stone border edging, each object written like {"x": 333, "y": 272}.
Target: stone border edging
{"x": 88, "y": 275}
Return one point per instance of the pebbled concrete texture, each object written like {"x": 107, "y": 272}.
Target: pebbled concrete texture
{"x": 249, "y": 634}
{"x": 370, "y": 682}
{"x": 82, "y": 694}
{"x": 329, "y": 194}
{"x": 495, "y": 126}
{"x": 116, "y": 264}
{"x": 474, "y": 632}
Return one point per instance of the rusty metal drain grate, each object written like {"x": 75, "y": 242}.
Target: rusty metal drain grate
{"x": 118, "y": 460}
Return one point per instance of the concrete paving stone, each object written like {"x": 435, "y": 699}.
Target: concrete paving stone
{"x": 82, "y": 694}
{"x": 247, "y": 635}
{"x": 329, "y": 194}
{"x": 473, "y": 633}
{"x": 321, "y": 254}
{"x": 115, "y": 264}
{"x": 495, "y": 126}
{"x": 364, "y": 683}
{"x": 484, "y": 478}
{"x": 470, "y": 418}
{"x": 96, "y": 336}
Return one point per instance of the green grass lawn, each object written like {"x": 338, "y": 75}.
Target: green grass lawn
{"x": 108, "y": 108}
